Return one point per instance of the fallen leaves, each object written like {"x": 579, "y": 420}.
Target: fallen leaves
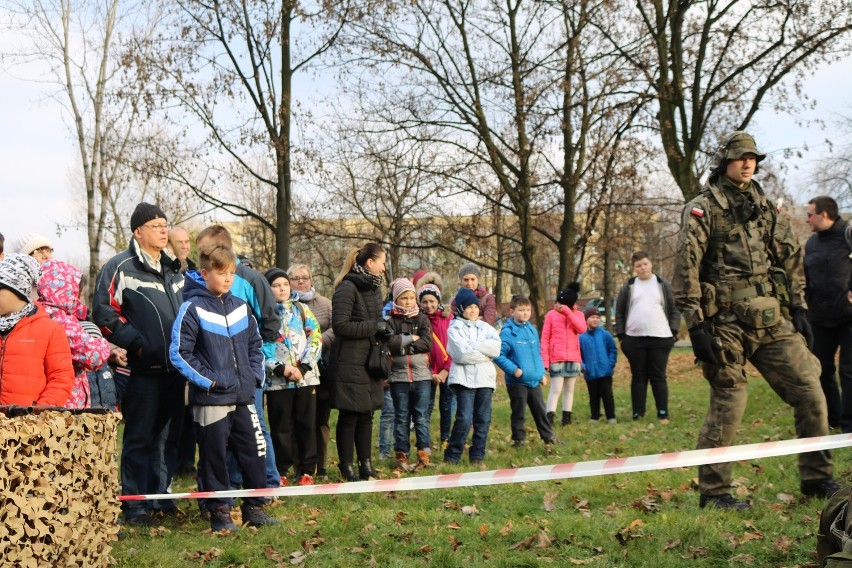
{"x": 630, "y": 532}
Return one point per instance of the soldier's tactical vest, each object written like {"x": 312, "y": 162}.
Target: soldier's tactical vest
{"x": 738, "y": 259}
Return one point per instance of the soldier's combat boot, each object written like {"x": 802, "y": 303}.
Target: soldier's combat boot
{"x": 724, "y": 502}
{"x": 820, "y": 488}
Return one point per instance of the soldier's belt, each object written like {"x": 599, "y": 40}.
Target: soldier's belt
{"x": 759, "y": 289}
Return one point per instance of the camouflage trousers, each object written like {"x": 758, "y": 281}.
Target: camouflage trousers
{"x": 782, "y": 357}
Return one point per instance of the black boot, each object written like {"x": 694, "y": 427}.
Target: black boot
{"x": 551, "y": 416}
{"x": 566, "y": 417}
{"x": 347, "y": 472}
{"x": 366, "y": 471}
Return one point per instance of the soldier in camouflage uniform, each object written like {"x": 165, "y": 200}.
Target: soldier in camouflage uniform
{"x": 739, "y": 283}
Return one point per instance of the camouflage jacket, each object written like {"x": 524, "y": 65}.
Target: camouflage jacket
{"x": 733, "y": 240}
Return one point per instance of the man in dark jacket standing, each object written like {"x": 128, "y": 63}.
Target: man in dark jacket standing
{"x": 137, "y": 297}
{"x": 827, "y": 271}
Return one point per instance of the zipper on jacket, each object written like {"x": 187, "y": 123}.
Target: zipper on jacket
{"x": 2, "y": 359}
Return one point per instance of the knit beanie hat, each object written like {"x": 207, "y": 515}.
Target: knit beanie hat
{"x": 274, "y": 274}
{"x": 589, "y": 312}
{"x": 465, "y": 297}
{"x": 568, "y": 295}
{"x": 399, "y": 286}
{"x": 429, "y": 289}
{"x": 469, "y": 268}
{"x": 19, "y": 273}
{"x": 143, "y": 213}
{"x": 30, "y": 242}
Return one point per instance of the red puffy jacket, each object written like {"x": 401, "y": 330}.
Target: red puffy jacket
{"x": 35, "y": 363}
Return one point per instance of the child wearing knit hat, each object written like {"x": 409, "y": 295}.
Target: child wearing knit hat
{"x": 410, "y": 378}
{"x": 560, "y": 350}
{"x": 291, "y": 383}
{"x": 469, "y": 276}
{"x": 599, "y": 355}
{"x": 429, "y": 296}
{"x": 472, "y": 344}
{"x": 36, "y": 366}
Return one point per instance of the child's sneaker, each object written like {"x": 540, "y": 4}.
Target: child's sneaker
{"x": 612, "y": 420}
{"x": 283, "y": 482}
{"x": 551, "y": 441}
{"x": 422, "y": 459}
{"x": 304, "y": 479}
{"x": 220, "y": 520}
{"x": 519, "y": 443}
{"x": 255, "y": 516}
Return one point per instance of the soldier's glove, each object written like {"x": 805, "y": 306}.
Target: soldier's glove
{"x": 802, "y": 325}
{"x": 702, "y": 344}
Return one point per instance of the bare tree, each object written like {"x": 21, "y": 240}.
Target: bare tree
{"x": 80, "y": 44}
{"x": 230, "y": 66}
{"x": 713, "y": 64}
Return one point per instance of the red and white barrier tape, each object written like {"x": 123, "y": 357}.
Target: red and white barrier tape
{"x": 611, "y": 466}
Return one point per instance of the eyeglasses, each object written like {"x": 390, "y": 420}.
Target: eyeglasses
{"x": 43, "y": 250}
{"x": 162, "y": 228}
{"x": 300, "y": 278}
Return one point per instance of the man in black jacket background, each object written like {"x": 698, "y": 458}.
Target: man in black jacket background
{"x": 137, "y": 297}
{"x": 827, "y": 270}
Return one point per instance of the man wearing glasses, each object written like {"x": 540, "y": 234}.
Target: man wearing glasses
{"x": 137, "y": 297}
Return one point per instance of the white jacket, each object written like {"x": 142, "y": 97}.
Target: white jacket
{"x": 472, "y": 345}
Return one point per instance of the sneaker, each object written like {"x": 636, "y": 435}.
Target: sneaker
{"x": 444, "y": 444}
{"x": 820, "y": 488}
{"x": 638, "y": 416}
{"x": 255, "y": 516}
{"x": 220, "y": 520}
{"x": 519, "y": 443}
{"x": 284, "y": 482}
{"x": 664, "y": 421}
{"x": 304, "y": 479}
{"x": 322, "y": 475}
{"x": 612, "y": 421}
{"x": 594, "y": 420}
{"x": 478, "y": 464}
{"x": 141, "y": 520}
{"x": 551, "y": 441}
{"x": 724, "y": 502}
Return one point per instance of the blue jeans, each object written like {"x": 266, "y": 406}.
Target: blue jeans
{"x": 273, "y": 478}
{"x": 386, "y": 425}
{"x": 153, "y": 405}
{"x": 411, "y": 400}
{"x": 446, "y": 408}
{"x": 474, "y": 407}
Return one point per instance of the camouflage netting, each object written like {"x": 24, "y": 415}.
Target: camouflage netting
{"x": 58, "y": 489}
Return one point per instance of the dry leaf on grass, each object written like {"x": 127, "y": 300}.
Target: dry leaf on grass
{"x": 454, "y": 525}
{"x": 469, "y": 510}
{"x": 272, "y": 554}
{"x": 483, "y": 530}
{"x": 783, "y": 544}
{"x": 507, "y": 528}
{"x": 549, "y": 501}
{"x": 786, "y": 498}
{"x": 630, "y": 532}
{"x": 671, "y": 545}
{"x": 205, "y": 555}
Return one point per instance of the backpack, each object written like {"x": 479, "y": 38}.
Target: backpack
{"x": 834, "y": 539}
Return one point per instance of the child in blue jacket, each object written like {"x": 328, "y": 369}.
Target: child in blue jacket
{"x": 599, "y": 354}
{"x": 216, "y": 346}
{"x": 520, "y": 360}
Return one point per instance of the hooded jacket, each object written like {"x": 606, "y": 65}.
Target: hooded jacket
{"x": 520, "y": 349}
{"x": 599, "y": 354}
{"x": 472, "y": 344}
{"x": 216, "y": 346}
{"x": 559, "y": 335}
{"x": 35, "y": 363}
{"x": 135, "y": 306}
{"x": 59, "y": 294}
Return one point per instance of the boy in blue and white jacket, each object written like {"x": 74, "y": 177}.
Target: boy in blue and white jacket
{"x": 472, "y": 344}
{"x": 599, "y": 355}
{"x": 520, "y": 360}
{"x": 216, "y": 346}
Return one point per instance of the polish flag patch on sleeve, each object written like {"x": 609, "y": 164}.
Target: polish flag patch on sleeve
{"x": 697, "y": 211}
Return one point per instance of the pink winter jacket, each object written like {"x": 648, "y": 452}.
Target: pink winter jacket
{"x": 560, "y": 338}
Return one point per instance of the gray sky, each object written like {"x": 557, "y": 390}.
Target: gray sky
{"x": 38, "y": 154}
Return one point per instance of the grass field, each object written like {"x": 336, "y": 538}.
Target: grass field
{"x": 645, "y": 519}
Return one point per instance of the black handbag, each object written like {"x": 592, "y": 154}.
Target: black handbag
{"x": 379, "y": 359}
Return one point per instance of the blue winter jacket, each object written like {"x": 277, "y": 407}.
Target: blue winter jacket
{"x": 216, "y": 346}
{"x": 520, "y": 348}
{"x": 599, "y": 354}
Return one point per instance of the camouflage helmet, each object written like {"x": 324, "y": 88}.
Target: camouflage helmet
{"x": 732, "y": 147}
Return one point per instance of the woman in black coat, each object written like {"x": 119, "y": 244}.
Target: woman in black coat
{"x": 356, "y": 316}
